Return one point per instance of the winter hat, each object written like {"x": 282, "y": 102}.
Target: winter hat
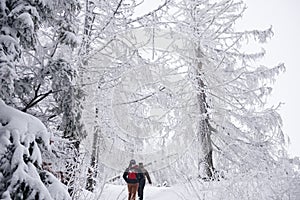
{"x": 132, "y": 162}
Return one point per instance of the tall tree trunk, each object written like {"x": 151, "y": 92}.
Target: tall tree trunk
{"x": 84, "y": 52}
{"x": 92, "y": 170}
{"x": 88, "y": 25}
{"x": 205, "y": 161}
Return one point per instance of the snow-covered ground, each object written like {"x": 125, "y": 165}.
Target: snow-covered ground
{"x": 236, "y": 189}
{"x": 119, "y": 192}
{"x": 191, "y": 190}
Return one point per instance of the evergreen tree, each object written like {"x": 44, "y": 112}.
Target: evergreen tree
{"x": 232, "y": 88}
{"x": 38, "y": 74}
{"x": 23, "y": 139}
{"x": 19, "y": 22}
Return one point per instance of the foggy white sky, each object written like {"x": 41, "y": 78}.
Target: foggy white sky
{"x": 284, "y": 16}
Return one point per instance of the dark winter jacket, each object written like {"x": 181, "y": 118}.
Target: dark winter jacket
{"x": 145, "y": 174}
{"x": 133, "y": 169}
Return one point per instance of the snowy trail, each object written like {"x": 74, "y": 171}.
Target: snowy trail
{"x": 162, "y": 193}
{"x": 119, "y": 192}
{"x": 175, "y": 192}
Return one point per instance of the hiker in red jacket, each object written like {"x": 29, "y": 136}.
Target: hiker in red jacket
{"x": 142, "y": 182}
{"x": 132, "y": 176}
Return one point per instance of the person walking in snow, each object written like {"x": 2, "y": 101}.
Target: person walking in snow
{"x": 142, "y": 182}
{"x": 132, "y": 176}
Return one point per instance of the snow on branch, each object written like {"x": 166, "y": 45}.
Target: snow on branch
{"x": 258, "y": 35}
{"x": 22, "y": 138}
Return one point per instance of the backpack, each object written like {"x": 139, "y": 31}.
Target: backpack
{"x": 132, "y": 174}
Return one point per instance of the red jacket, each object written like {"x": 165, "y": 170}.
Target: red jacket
{"x": 133, "y": 169}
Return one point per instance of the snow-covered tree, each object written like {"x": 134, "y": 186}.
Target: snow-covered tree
{"x": 197, "y": 64}
{"x": 38, "y": 72}
{"x": 19, "y": 23}
{"x": 234, "y": 124}
{"x": 26, "y": 52}
{"x": 171, "y": 87}
{"x": 103, "y": 22}
{"x": 23, "y": 139}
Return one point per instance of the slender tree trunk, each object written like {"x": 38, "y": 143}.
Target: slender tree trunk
{"x": 83, "y": 53}
{"x": 205, "y": 161}
{"x": 88, "y": 25}
{"x": 92, "y": 170}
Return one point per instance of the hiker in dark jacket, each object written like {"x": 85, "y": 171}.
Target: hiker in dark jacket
{"x": 142, "y": 182}
{"x": 132, "y": 176}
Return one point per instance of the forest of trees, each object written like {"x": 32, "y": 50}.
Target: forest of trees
{"x": 170, "y": 86}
